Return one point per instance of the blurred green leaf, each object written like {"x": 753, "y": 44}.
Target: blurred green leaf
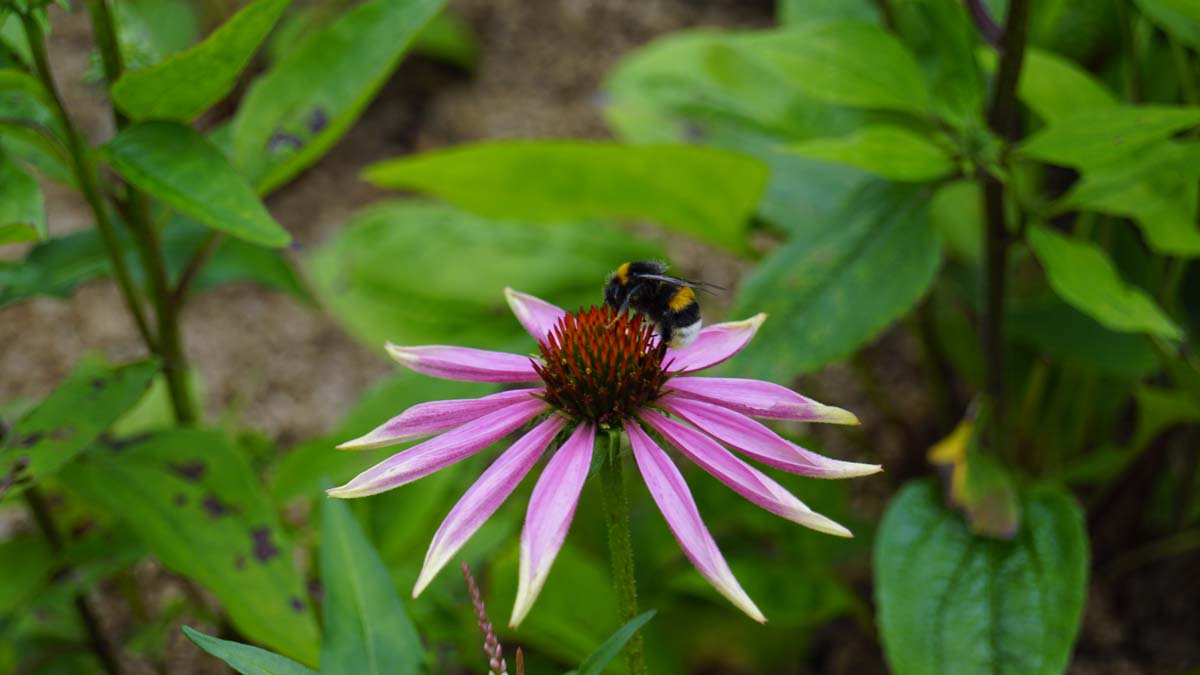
{"x": 956, "y": 213}
{"x": 703, "y": 192}
{"x": 151, "y": 30}
{"x": 418, "y": 273}
{"x": 25, "y": 564}
{"x": 246, "y": 659}
{"x": 300, "y": 107}
{"x": 447, "y": 38}
{"x": 233, "y": 261}
{"x": 192, "y": 498}
{"x": 366, "y": 627}
{"x": 22, "y": 211}
{"x": 29, "y": 129}
{"x": 1156, "y": 187}
{"x": 952, "y": 602}
{"x": 177, "y": 165}
{"x": 190, "y": 82}
{"x": 94, "y": 395}
{"x": 1055, "y": 87}
{"x": 801, "y": 12}
{"x": 605, "y": 653}
{"x": 1073, "y": 337}
{"x": 847, "y": 63}
{"x": 891, "y": 152}
{"x": 55, "y": 268}
{"x": 831, "y": 289}
{"x": 1179, "y": 18}
{"x": 1082, "y": 274}
{"x": 944, "y": 39}
{"x": 1091, "y": 137}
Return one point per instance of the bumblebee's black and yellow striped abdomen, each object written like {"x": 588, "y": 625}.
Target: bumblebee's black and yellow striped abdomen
{"x": 668, "y": 301}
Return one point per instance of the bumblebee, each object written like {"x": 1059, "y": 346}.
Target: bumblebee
{"x": 669, "y": 302}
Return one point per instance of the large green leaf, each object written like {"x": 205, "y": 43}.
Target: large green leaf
{"x": 704, "y": 192}
{"x": 1157, "y": 188}
{"x": 1054, "y": 87}
{"x": 891, "y": 152}
{"x": 847, "y": 63}
{"x": 92, "y": 397}
{"x": 178, "y": 166}
{"x": 190, "y": 495}
{"x": 296, "y": 111}
{"x": 246, "y": 659}
{"x": 366, "y": 627}
{"x": 1082, "y": 274}
{"x": 833, "y": 288}
{"x": 190, "y": 82}
{"x": 22, "y": 211}
{"x": 1180, "y": 18}
{"x": 417, "y": 273}
{"x": 1092, "y": 137}
{"x": 950, "y": 602}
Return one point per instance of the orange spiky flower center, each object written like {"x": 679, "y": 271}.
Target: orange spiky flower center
{"x": 601, "y": 367}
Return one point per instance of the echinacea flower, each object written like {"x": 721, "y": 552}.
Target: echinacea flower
{"x": 598, "y": 371}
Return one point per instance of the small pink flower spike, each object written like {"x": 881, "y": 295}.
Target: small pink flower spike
{"x": 491, "y": 645}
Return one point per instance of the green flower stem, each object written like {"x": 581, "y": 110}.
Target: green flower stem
{"x": 1002, "y": 118}
{"x": 137, "y": 213}
{"x": 85, "y": 172}
{"x": 620, "y": 548}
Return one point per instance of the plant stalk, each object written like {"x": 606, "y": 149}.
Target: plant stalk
{"x": 89, "y": 182}
{"x": 1002, "y": 119}
{"x": 101, "y": 645}
{"x": 137, "y": 212}
{"x": 620, "y": 546}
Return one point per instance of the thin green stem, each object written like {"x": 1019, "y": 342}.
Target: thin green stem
{"x": 1002, "y": 118}
{"x": 137, "y": 212}
{"x": 89, "y": 181}
{"x": 620, "y": 547}
{"x": 101, "y": 645}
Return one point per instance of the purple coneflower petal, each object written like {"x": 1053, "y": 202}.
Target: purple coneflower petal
{"x": 551, "y": 507}
{"x": 759, "y": 399}
{"x": 535, "y": 314}
{"x": 439, "y": 452}
{"x": 675, "y": 502}
{"x": 465, "y": 363}
{"x": 740, "y": 476}
{"x": 713, "y": 345}
{"x": 434, "y": 417}
{"x": 485, "y": 496}
{"x": 752, "y": 438}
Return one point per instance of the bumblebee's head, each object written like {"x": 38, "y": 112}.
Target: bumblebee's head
{"x": 615, "y": 292}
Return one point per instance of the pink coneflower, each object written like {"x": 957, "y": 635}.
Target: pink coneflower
{"x": 600, "y": 372}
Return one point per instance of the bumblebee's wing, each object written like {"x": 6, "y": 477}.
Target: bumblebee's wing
{"x": 699, "y": 285}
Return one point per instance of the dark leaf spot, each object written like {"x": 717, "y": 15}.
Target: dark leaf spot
{"x": 281, "y": 141}
{"x": 316, "y": 590}
{"x": 264, "y": 550}
{"x": 214, "y": 507}
{"x": 239, "y": 563}
{"x": 31, "y": 439}
{"x": 317, "y": 120}
{"x": 180, "y": 499}
{"x": 190, "y": 471}
{"x": 82, "y": 527}
{"x": 98, "y": 383}
{"x": 296, "y": 604}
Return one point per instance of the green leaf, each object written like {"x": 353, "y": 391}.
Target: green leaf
{"x": 192, "y": 81}
{"x": 418, "y": 273}
{"x": 177, "y": 165}
{"x": 1179, "y": 18}
{"x": 29, "y": 129}
{"x": 22, "y": 211}
{"x": 1073, "y": 337}
{"x": 835, "y": 287}
{"x": 891, "y": 152}
{"x": 93, "y": 396}
{"x": 448, "y": 39}
{"x": 605, "y": 653}
{"x": 801, "y": 12}
{"x": 366, "y": 627}
{"x": 847, "y": 63}
{"x": 190, "y": 495}
{"x": 956, "y": 212}
{"x": 55, "y": 268}
{"x": 1089, "y": 138}
{"x": 233, "y": 261}
{"x": 296, "y": 111}
{"x": 704, "y": 192}
{"x": 950, "y": 602}
{"x": 943, "y": 38}
{"x": 245, "y": 659}
{"x": 1157, "y": 188}
{"x": 1055, "y": 87}
{"x": 1081, "y": 273}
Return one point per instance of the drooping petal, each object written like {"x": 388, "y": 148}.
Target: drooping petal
{"x": 551, "y": 508}
{"x": 434, "y": 417}
{"x": 740, "y": 476}
{"x": 535, "y": 314}
{"x": 713, "y": 345}
{"x": 483, "y": 498}
{"x": 759, "y": 399}
{"x": 441, "y": 451}
{"x": 674, "y": 500}
{"x": 754, "y": 439}
{"x": 465, "y": 364}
